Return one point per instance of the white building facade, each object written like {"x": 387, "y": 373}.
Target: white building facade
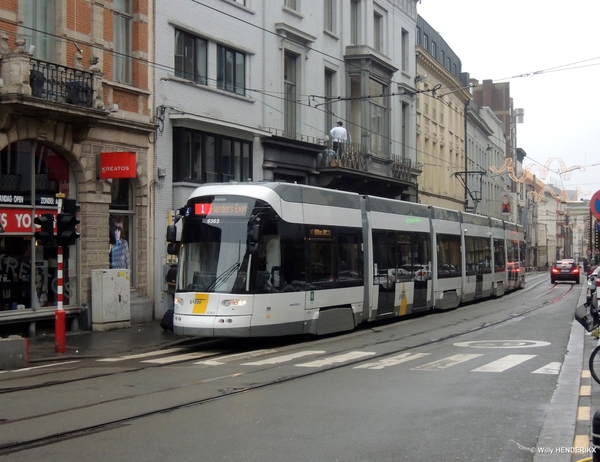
{"x": 248, "y": 90}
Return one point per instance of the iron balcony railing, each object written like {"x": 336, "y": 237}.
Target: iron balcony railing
{"x": 61, "y": 84}
{"x": 354, "y": 156}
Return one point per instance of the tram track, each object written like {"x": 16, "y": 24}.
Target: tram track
{"x": 52, "y": 437}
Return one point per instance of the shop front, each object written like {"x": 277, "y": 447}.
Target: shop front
{"x": 31, "y": 175}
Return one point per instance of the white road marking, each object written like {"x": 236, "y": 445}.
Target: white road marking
{"x": 394, "y": 360}
{"x": 505, "y": 363}
{"x": 284, "y": 358}
{"x": 183, "y": 357}
{"x": 224, "y": 359}
{"x": 446, "y": 362}
{"x": 40, "y": 367}
{"x": 141, "y": 355}
{"x": 552, "y": 369}
{"x": 337, "y": 359}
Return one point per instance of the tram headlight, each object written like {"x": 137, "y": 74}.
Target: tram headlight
{"x": 234, "y": 302}
{"x": 178, "y": 301}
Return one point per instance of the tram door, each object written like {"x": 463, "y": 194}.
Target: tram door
{"x": 420, "y": 252}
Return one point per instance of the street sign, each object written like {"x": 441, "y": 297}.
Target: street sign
{"x": 595, "y": 205}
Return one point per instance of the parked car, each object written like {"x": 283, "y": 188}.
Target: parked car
{"x": 592, "y": 281}
{"x": 566, "y": 269}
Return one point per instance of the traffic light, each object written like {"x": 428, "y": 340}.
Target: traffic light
{"x": 66, "y": 229}
{"x": 46, "y": 234}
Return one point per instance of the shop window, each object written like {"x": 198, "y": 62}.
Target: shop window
{"x": 31, "y": 174}
{"x": 121, "y": 239}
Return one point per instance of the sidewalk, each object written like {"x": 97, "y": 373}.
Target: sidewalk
{"x": 93, "y": 344}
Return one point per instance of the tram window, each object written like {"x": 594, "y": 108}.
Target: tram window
{"x": 449, "y": 257}
{"x": 321, "y": 260}
{"x": 499, "y": 259}
{"x": 420, "y": 256}
{"x": 293, "y": 257}
{"x": 384, "y": 256}
{"x": 349, "y": 261}
{"x": 478, "y": 255}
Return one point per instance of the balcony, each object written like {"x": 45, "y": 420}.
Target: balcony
{"x": 32, "y": 82}
{"x": 348, "y": 155}
{"x": 61, "y": 84}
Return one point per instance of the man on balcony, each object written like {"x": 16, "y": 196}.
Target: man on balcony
{"x": 338, "y": 135}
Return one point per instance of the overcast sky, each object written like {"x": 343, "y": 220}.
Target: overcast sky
{"x": 502, "y": 40}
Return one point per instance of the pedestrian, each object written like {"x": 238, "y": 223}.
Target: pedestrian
{"x": 338, "y": 135}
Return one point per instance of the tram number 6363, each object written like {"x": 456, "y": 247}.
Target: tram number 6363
{"x": 212, "y": 221}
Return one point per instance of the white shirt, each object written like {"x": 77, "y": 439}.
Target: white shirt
{"x": 338, "y": 134}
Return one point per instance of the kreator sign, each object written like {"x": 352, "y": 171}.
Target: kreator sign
{"x": 117, "y": 165}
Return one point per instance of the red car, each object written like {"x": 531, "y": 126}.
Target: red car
{"x": 565, "y": 270}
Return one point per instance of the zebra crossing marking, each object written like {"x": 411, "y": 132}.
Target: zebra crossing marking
{"x": 498, "y": 365}
{"x": 502, "y": 364}
{"x": 446, "y": 362}
{"x": 284, "y": 358}
{"x": 551, "y": 368}
{"x": 393, "y": 361}
{"x": 141, "y": 355}
{"x": 337, "y": 359}
{"x": 224, "y": 359}
{"x": 183, "y": 357}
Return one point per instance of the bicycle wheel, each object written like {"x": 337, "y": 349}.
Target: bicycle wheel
{"x": 595, "y": 364}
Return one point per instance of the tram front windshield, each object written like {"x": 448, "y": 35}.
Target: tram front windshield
{"x": 214, "y": 254}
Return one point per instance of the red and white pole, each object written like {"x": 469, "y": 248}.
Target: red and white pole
{"x": 60, "y": 320}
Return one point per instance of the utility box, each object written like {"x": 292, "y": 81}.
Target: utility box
{"x": 110, "y": 299}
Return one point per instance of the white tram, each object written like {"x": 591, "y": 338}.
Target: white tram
{"x": 270, "y": 259}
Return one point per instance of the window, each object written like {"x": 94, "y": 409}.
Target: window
{"x": 378, "y": 118}
{"x": 38, "y": 23}
{"x": 405, "y": 51}
{"x": 231, "y": 70}
{"x": 405, "y": 135}
{"x": 208, "y": 158}
{"x": 290, "y": 105}
{"x": 122, "y": 248}
{"x": 122, "y": 41}
{"x": 328, "y": 87}
{"x": 190, "y": 57}
{"x": 355, "y": 22}
{"x": 433, "y": 49}
{"x": 378, "y": 31}
{"x": 291, "y": 4}
{"x": 426, "y": 42}
{"x": 328, "y": 15}
{"x": 448, "y": 256}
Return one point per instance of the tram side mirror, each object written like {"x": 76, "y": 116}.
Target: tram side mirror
{"x": 253, "y": 237}
{"x": 172, "y": 234}
{"x": 254, "y": 232}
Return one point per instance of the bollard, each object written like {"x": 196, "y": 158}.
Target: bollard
{"x": 596, "y": 436}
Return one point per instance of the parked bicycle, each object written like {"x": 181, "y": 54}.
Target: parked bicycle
{"x": 587, "y": 315}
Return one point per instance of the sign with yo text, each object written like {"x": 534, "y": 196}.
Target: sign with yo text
{"x": 15, "y": 220}
{"x": 117, "y": 165}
